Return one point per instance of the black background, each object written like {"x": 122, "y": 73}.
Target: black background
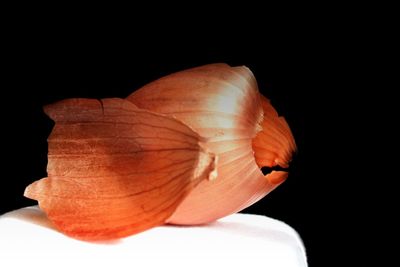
{"x": 45, "y": 67}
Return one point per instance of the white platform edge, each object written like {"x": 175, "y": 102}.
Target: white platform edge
{"x": 28, "y": 239}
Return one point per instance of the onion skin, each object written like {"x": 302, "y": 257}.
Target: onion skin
{"x": 110, "y": 174}
{"x": 223, "y": 104}
{"x": 185, "y": 149}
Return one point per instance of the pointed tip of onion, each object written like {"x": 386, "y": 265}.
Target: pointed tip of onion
{"x": 32, "y": 190}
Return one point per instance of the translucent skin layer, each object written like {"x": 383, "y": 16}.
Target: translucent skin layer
{"x": 115, "y": 170}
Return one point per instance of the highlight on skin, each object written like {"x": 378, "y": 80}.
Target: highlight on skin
{"x": 186, "y": 149}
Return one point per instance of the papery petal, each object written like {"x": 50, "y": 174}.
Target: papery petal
{"x": 114, "y": 169}
{"x": 221, "y": 103}
{"x": 274, "y": 145}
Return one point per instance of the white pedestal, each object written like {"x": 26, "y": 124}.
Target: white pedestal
{"x": 27, "y": 238}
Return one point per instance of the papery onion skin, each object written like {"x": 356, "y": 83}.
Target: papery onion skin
{"x": 112, "y": 172}
{"x": 115, "y": 170}
{"x": 223, "y": 104}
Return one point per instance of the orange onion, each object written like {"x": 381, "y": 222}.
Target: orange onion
{"x": 118, "y": 167}
{"x": 223, "y": 104}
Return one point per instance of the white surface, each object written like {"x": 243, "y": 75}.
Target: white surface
{"x": 28, "y": 239}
